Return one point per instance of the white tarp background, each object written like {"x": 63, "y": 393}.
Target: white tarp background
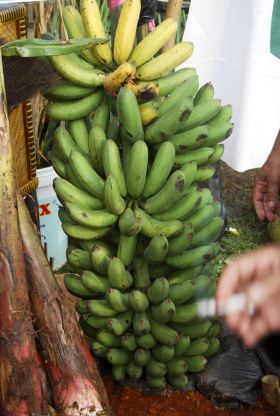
{"x": 232, "y": 49}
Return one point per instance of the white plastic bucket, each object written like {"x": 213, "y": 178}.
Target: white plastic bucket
{"x": 50, "y": 226}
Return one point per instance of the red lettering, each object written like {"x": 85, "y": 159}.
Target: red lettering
{"x": 44, "y": 210}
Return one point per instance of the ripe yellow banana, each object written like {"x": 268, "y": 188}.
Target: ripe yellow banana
{"x": 164, "y": 63}
{"x": 94, "y": 28}
{"x": 149, "y": 112}
{"x": 153, "y": 42}
{"x": 126, "y": 30}
{"x": 122, "y": 75}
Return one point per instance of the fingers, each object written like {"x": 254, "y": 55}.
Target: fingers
{"x": 266, "y": 192}
{"x": 270, "y": 201}
{"x": 259, "y": 192}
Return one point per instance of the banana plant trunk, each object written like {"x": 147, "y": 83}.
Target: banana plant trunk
{"x": 76, "y": 385}
{"x": 20, "y": 386}
{"x": 173, "y": 10}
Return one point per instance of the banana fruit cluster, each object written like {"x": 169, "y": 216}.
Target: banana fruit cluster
{"x": 133, "y": 170}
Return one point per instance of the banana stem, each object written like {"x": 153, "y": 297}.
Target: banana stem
{"x": 173, "y": 10}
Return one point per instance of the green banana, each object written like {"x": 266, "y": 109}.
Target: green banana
{"x": 75, "y": 286}
{"x": 163, "y": 353}
{"x": 70, "y": 176}
{"x": 182, "y": 241}
{"x": 78, "y": 258}
{"x": 126, "y": 249}
{"x": 91, "y": 218}
{"x": 134, "y": 370}
{"x": 129, "y": 224}
{"x": 101, "y": 308}
{"x": 190, "y": 139}
{"x": 204, "y": 173}
{"x": 185, "y": 313}
{"x": 188, "y": 88}
{"x": 171, "y": 122}
{"x": 128, "y": 342}
{"x": 96, "y": 140}
{"x": 97, "y": 322}
{"x": 112, "y": 164}
{"x": 163, "y": 333}
{"x": 94, "y": 282}
{"x": 118, "y": 372}
{"x": 137, "y": 168}
{"x": 205, "y": 93}
{"x": 120, "y": 323}
{"x": 179, "y": 382}
{"x": 118, "y": 356}
{"x": 156, "y": 382}
{"x": 98, "y": 349}
{"x": 63, "y": 216}
{"x": 224, "y": 114}
{"x": 201, "y": 286}
{"x": 81, "y": 232}
{"x": 158, "y": 291}
{"x": 118, "y": 276}
{"x": 156, "y": 250}
{"x": 150, "y": 227}
{"x": 141, "y": 275}
{"x": 141, "y": 324}
{"x": 213, "y": 348}
{"x": 213, "y": 330}
{"x": 64, "y": 142}
{"x": 72, "y": 110}
{"x": 81, "y": 307}
{"x": 197, "y": 346}
{"x": 209, "y": 233}
{"x": 112, "y": 197}
{"x": 193, "y": 257}
{"x": 129, "y": 115}
{"x": 181, "y": 346}
{"x": 189, "y": 169}
{"x": 113, "y": 129}
{"x": 66, "y": 90}
{"x": 164, "y": 311}
{"x": 146, "y": 341}
{"x": 168, "y": 83}
{"x": 142, "y": 356}
{"x": 88, "y": 245}
{"x": 59, "y": 166}
{"x": 180, "y": 209}
{"x": 160, "y": 169}
{"x": 119, "y": 301}
{"x": 217, "y": 207}
{"x": 159, "y": 270}
{"x": 100, "y": 260}
{"x": 200, "y": 115}
{"x": 79, "y": 132}
{"x": 181, "y": 292}
{"x": 200, "y": 156}
{"x": 101, "y": 116}
{"x": 176, "y": 367}
{"x": 196, "y": 363}
{"x": 218, "y": 153}
{"x": 156, "y": 368}
{"x": 218, "y": 132}
{"x": 108, "y": 339}
{"x": 195, "y": 330}
{"x": 180, "y": 276}
{"x": 138, "y": 301}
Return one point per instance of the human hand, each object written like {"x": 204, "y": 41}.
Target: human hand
{"x": 258, "y": 275}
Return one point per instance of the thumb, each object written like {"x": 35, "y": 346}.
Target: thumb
{"x": 272, "y": 194}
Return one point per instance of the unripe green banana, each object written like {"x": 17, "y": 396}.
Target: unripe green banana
{"x": 189, "y": 169}
{"x": 160, "y": 169}
{"x": 141, "y": 275}
{"x": 71, "y": 177}
{"x": 73, "y": 110}
{"x": 89, "y": 244}
{"x": 190, "y": 139}
{"x": 163, "y": 353}
{"x": 94, "y": 282}
{"x": 218, "y": 132}
{"x": 175, "y": 367}
{"x": 213, "y": 348}
{"x": 193, "y": 257}
{"x": 224, "y": 114}
{"x": 142, "y": 356}
{"x": 150, "y": 227}
{"x": 158, "y": 291}
{"x": 164, "y": 311}
{"x": 182, "y": 346}
{"x": 118, "y": 276}
{"x": 179, "y": 382}
{"x": 63, "y": 216}
{"x": 181, "y": 292}
{"x": 201, "y": 114}
{"x": 81, "y": 307}
{"x": 217, "y": 208}
{"x": 75, "y": 286}
{"x": 83, "y": 233}
{"x": 185, "y": 313}
{"x": 118, "y": 356}
{"x": 156, "y": 250}
{"x": 134, "y": 370}
{"x": 59, "y": 166}
{"x": 201, "y": 217}
{"x": 182, "y": 241}
{"x": 97, "y": 322}
{"x": 66, "y": 90}
{"x": 200, "y": 156}
{"x": 101, "y": 116}
{"x": 138, "y": 301}
{"x": 90, "y": 218}
{"x": 156, "y": 382}
{"x": 209, "y": 233}
{"x": 126, "y": 249}
{"x": 218, "y": 153}
{"x": 169, "y": 123}
{"x": 78, "y": 258}
{"x": 170, "y": 193}
{"x": 113, "y": 129}
{"x": 128, "y": 342}
{"x": 101, "y": 308}
{"x": 112, "y": 164}
{"x": 205, "y": 93}
{"x": 197, "y": 346}
{"x": 146, "y": 341}
{"x": 108, "y": 339}
{"x": 214, "y": 330}
{"x": 195, "y": 330}
{"x": 137, "y": 168}
{"x": 163, "y": 333}
{"x": 188, "y": 88}
{"x": 204, "y": 173}
{"x": 120, "y": 323}
{"x": 156, "y": 368}
{"x": 118, "y": 372}
{"x": 79, "y": 132}
{"x": 129, "y": 115}
{"x": 168, "y": 83}
{"x": 112, "y": 197}
{"x": 96, "y": 140}
{"x": 206, "y": 197}
{"x": 141, "y": 324}
{"x": 129, "y": 223}
{"x": 201, "y": 286}
{"x": 118, "y": 300}
{"x": 159, "y": 270}
{"x": 64, "y": 143}
{"x": 98, "y": 349}
{"x": 180, "y": 276}
{"x": 182, "y": 208}
{"x": 100, "y": 260}
{"x": 196, "y": 363}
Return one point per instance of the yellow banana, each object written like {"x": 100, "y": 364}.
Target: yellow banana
{"x": 94, "y": 28}
{"x": 126, "y": 30}
{"x": 122, "y": 75}
{"x": 164, "y": 63}
{"x": 153, "y": 42}
{"x": 149, "y": 112}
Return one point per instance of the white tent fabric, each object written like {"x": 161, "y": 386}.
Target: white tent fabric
{"x": 232, "y": 49}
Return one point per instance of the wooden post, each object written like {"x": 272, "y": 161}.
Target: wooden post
{"x": 173, "y": 10}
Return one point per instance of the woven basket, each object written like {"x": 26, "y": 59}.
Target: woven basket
{"x": 13, "y": 26}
